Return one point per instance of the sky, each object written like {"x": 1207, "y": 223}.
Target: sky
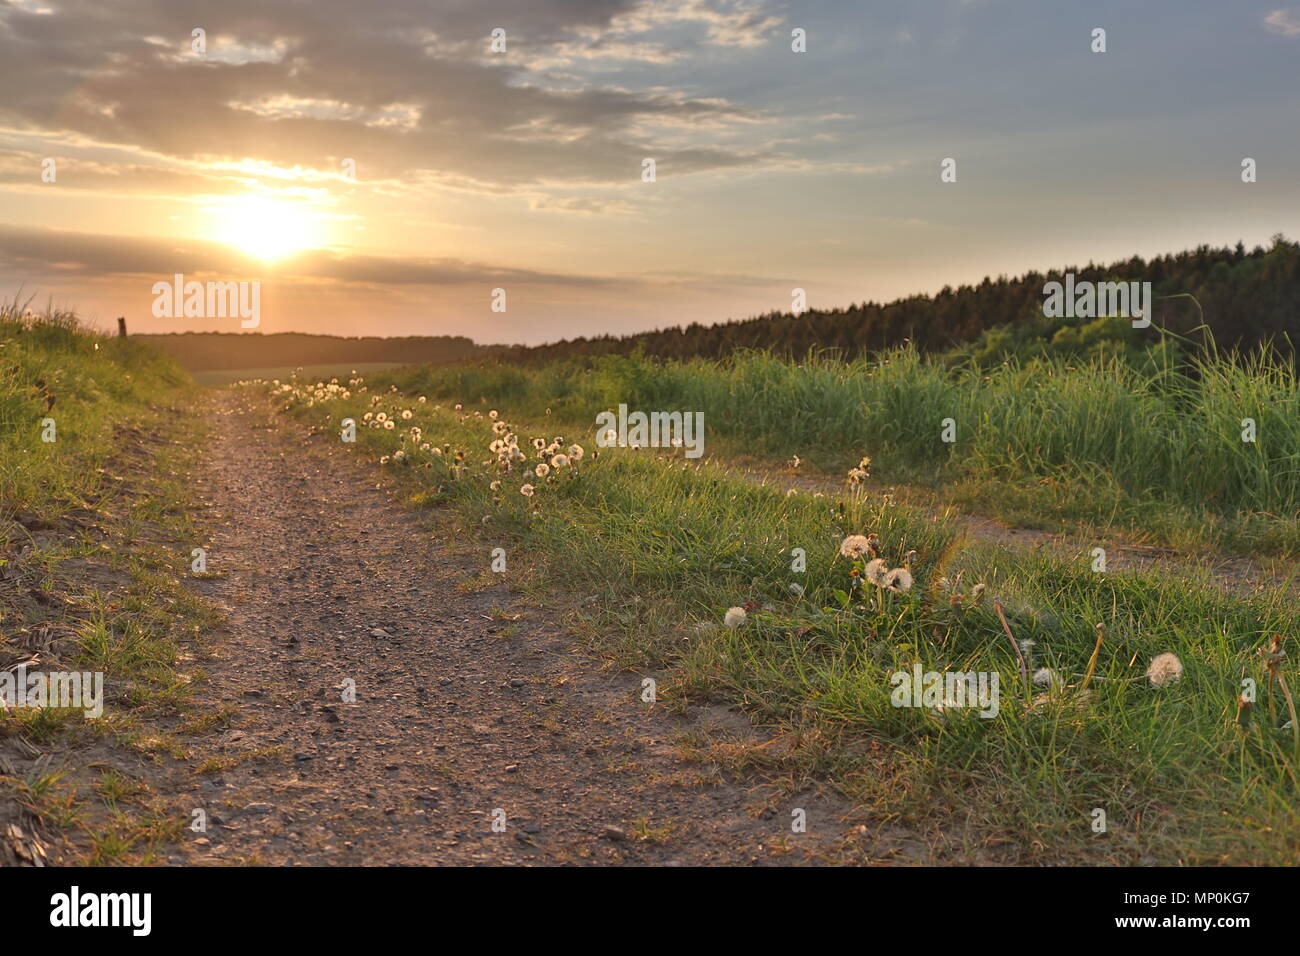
{"x": 381, "y": 167}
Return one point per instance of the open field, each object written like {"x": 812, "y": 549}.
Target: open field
{"x": 1095, "y": 714}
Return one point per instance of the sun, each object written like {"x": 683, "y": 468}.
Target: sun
{"x": 264, "y": 227}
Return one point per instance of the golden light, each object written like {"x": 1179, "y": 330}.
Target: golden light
{"x": 263, "y": 227}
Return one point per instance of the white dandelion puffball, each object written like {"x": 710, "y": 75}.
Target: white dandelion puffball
{"x": 855, "y": 546}
{"x": 526, "y": 491}
{"x": 495, "y": 486}
{"x": 560, "y": 461}
{"x": 576, "y": 452}
{"x": 899, "y": 579}
{"x": 875, "y": 571}
{"x": 796, "y": 589}
{"x": 735, "y": 617}
{"x": 1046, "y": 677}
{"x": 542, "y": 470}
{"x": 1165, "y": 669}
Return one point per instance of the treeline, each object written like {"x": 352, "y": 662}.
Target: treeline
{"x": 1243, "y": 296}
{"x": 205, "y": 351}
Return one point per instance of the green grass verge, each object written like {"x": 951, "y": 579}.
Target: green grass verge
{"x": 96, "y": 527}
{"x": 1147, "y": 448}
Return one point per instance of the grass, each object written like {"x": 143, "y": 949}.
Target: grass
{"x": 89, "y": 530}
{"x": 1151, "y": 448}
{"x": 659, "y": 548}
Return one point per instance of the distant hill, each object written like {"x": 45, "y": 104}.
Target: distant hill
{"x": 206, "y": 351}
{"x": 1246, "y": 297}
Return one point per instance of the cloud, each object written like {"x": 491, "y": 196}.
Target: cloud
{"x": 40, "y": 252}
{"x": 1284, "y": 22}
{"x": 407, "y": 91}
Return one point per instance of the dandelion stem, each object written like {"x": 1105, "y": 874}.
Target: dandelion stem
{"x": 1024, "y": 671}
{"x": 1092, "y": 661}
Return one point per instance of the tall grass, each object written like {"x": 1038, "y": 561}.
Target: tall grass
{"x": 1170, "y": 436}
{"x": 52, "y": 367}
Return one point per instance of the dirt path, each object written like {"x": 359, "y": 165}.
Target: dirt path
{"x": 324, "y": 579}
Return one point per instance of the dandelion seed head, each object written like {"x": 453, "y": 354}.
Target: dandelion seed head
{"x": 735, "y": 617}
{"x": 899, "y": 579}
{"x": 855, "y": 546}
{"x": 1046, "y": 677}
{"x": 1165, "y": 669}
{"x": 875, "y": 571}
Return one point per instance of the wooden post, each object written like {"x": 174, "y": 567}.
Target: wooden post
{"x": 121, "y": 326}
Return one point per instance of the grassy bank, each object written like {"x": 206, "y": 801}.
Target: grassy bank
{"x": 1106, "y": 442}
{"x": 694, "y": 578}
{"x": 95, "y": 531}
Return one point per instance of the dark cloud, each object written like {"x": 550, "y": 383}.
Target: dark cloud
{"x": 36, "y": 253}
{"x": 307, "y": 83}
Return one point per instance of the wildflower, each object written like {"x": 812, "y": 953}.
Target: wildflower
{"x": 876, "y": 571}
{"x": 381, "y": 417}
{"x": 735, "y": 617}
{"x": 457, "y": 406}
{"x": 560, "y": 461}
{"x": 795, "y": 462}
{"x": 542, "y": 470}
{"x": 500, "y": 427}
{"x": 526, "y": 491}
{"x": 796, "y": 589}
{"x": 406, "y": 414}
{"x": 421, "y": 399}
{"x": 1046, "y": 677}
{"x": 855, "y": 546}
{"x": 576, "y": 452}
{"x": 899, "y": 579}
{"x": 399, "y": 456}
{"x": 495, "y": 486}
{"x": 389, "y": 425}
{"x": 493, "y": 414}
{"x": 1165, "y": 669}
{"x": 424, "y": 446}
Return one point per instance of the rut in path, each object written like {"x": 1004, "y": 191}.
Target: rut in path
{"x": 324, "y": 578}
